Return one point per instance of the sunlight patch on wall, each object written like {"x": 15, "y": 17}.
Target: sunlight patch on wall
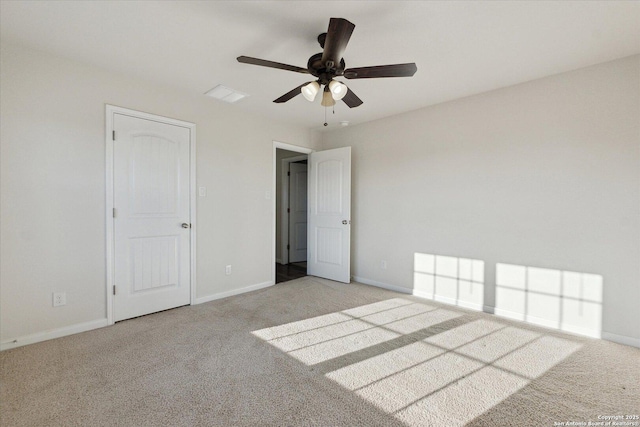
{"x": 564, "y": 300}
{"x": 457, "y": 281}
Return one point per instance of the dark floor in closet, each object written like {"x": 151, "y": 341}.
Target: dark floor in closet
{"x": 291, "y": 271}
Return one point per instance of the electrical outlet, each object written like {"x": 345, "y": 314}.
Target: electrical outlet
{"x": 383, "y": 265}
{"x": 59, "y": 298}
{"x": 227, "y": 270}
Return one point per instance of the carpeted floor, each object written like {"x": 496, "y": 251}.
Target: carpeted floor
{"x": 315, "y": 352}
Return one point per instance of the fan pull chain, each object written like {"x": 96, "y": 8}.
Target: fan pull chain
{"x": 325, "y": 117}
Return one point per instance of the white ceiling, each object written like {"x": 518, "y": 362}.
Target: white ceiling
{"x": 460, "y": 48}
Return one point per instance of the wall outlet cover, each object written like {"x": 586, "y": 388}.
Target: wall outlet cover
{"x": 59, "y": 298}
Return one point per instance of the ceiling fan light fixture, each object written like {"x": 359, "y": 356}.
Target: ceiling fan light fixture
{"x": 310, "y": 91}
{"x": 338, "y": 89}
{"x": 327, "y": 99}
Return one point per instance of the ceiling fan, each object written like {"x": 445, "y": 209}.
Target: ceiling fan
{"x": 329, "y": 64}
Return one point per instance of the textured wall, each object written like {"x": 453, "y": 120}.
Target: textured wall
{"x": 542, "y": 175}
{"x": 53, "y": 187}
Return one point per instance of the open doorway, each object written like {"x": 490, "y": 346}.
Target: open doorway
{"x": 329, "y": 211}
{"x": 291, "y": 214}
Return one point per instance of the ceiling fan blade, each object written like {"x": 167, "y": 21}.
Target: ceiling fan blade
{"x": 271, "y": 64}
{"x": 291, "y": 94}
{"x": 351, "y": 99}
{"x": 335, "y": 43}
{"x": 395, "y": 70}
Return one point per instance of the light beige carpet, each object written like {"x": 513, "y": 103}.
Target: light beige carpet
{"x": 315, "y": 352}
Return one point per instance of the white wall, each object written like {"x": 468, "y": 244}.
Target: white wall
{"x": 543, "y": 176}
{"x": 53, "y": 187}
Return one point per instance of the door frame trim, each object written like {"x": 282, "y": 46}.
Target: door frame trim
{"x": 283, "y": 146}
{"x": 110, "y": 111}
{"x": 284, "y": 191}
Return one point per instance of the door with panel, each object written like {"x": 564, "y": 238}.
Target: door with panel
{"x": 151, "y": 216}
{"x": 329, "y": 204}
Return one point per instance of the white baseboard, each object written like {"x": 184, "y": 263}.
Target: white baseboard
{"x": 489, "y": 309}
{"x": 234, "y": 292}
{"x": 621, "y": 339}
{"x": 546, "y": 323}
{"x": 53, "y": 333}
{"x": 387, "y": 286}
{"x": 95, "y": 324}
{"x": 469, "y": 305}
{"x": 450, "y": 301}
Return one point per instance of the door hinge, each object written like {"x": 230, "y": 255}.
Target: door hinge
{"x": 288, "y": 173}
{"x": 113, "y": 135}
{"x": 114, "y": 212}
{"x": 114, "y": 289}
{"x": 288, "y": 210}
{"x": 287, "y": 247}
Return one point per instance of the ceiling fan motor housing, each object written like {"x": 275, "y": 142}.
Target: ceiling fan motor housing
{"x": 325, "y": 72}
{"x": 321, "y": 38}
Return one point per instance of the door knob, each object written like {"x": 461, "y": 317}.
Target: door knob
{"x": 185, "y": 225}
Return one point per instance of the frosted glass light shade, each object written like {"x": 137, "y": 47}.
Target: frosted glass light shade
{"x": 338, "y": 90}
{"x": 327, "y": 99}
{"x": 310, "y": 91}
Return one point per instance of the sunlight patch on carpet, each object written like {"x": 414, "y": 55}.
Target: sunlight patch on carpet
{"x": 422, "y": 364}
{"x": 322, "y": 338}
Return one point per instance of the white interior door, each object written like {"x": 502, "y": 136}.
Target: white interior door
{"x": 297, "y": 212}
{"x": 151, "y": 218}
{"x": 329, "y": 227}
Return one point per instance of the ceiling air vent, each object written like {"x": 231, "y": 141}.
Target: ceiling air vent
{"x": 226, "y": 94}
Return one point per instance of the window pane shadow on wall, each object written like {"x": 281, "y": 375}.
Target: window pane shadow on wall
{"x": 452, "y": 280}
{"x": 564, "y": 300}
